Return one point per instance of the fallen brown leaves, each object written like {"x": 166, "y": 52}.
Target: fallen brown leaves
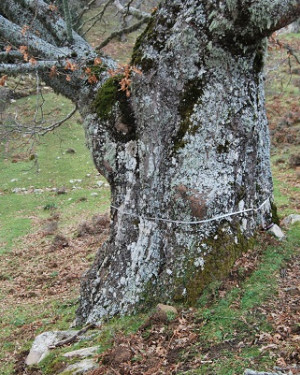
{"x": 284, "y": 315}
{"x": 154, "y": 350}
{"x": 38, "y": 272}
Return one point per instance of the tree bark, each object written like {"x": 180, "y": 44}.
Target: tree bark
{"x": 190, "y": 144}
{"x": 186, "y": 155}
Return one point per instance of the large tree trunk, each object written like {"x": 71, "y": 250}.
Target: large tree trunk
{"x": 190, "y": 144}
{"x": 187, "y": 155}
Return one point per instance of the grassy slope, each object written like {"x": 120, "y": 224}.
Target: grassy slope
{"x": 22, "y": 215}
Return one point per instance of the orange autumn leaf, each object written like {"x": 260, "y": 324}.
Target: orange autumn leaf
{"x": 24, "y": 29}
{"x": 70, "y": 66}
{"x": 136, "y": 70}
{"x": 112, "y": 72}
{"x": 2, "y": 80}
{"x": 53, "y": 8}
{"x": 92, "y": 79}
{"x": 23, "y": 49}
{"x": 88, "y": 71}
{"x": 32, "y": 61}
{"x": 8, "y": 49}
{"x": 53, "y": 71}
{"x": 97, "y": 61}
{"x": 68, "y": 78}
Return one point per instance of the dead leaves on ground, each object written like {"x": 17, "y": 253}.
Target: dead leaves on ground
{"x": 154, "y": 350}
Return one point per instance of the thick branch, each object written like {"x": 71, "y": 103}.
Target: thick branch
{"x": 267, "y": 16}
{"x": 43, "y": 21}
{"x": 43, "y": 51}
{"x": 15, "y": 35}
{"x": 14, "y": 69}
{"x": 6, "y": 57}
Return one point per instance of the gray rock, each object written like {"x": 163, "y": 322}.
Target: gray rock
{"x": 83, "y": 353}
{"x": 166, "y": 309}
{"x": 70, "y": 151}
{"x": 277, "y": 232}
{"x": 290, "y": 220}
{"x": 81, "y": 367}
{"x": 42, "y": 343}
{"x": 251, "y": 372}
{"x": 61, "y": 190}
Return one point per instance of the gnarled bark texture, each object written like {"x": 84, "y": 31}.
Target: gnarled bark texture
{"x": 190, "y": 144}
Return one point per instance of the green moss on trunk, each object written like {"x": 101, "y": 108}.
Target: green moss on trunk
{"x": 275, "y": 216}
{"x": 107, "y": 97}
{"x": 218, "y": 264}
{"x": 190, "y": 96}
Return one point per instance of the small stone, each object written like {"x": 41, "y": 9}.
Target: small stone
{"x": 294, "y": 161}
{"x": 94, "y": 194}
{"x": 82, "y": 199}
{"x": 81, "y": 367}
{"x": 83, "y": 353}
{"x": 70, "y": 151}
{"x": 61, "y": 191}
{"x": 166, "y": 309}
{"x": 42, "y": 343}
{"x": 290, "y": 220}
{"x": 251, "y": 372}
{"x": 277, "y": 232}
{"x": 38, "y": 191}
{"x": 99, "y": 183}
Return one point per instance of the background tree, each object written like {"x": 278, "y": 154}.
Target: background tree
{"x": 182, "y": 139}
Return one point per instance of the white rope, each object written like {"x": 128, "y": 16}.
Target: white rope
{"x": 193, "y": 222}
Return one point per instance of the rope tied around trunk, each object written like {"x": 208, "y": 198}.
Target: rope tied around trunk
{"x": 193, "y": 222}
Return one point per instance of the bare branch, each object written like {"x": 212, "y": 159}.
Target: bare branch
{"x": 96, "y": 18}
{"x": 138, "y": 14}
{"x": 84, "y": 10}
{"x": 17, "y": 127}
{"x": 68, "y": 20}
{"x": 126, "y": 30}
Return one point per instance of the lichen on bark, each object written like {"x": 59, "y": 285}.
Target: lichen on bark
{"x": 200, "y": 150}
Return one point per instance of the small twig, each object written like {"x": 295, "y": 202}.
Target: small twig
{"x": 73, "y": 338}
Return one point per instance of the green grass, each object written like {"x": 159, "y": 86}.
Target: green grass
{"x": 52, "y": 168}
{"x": 235, "y": 317}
